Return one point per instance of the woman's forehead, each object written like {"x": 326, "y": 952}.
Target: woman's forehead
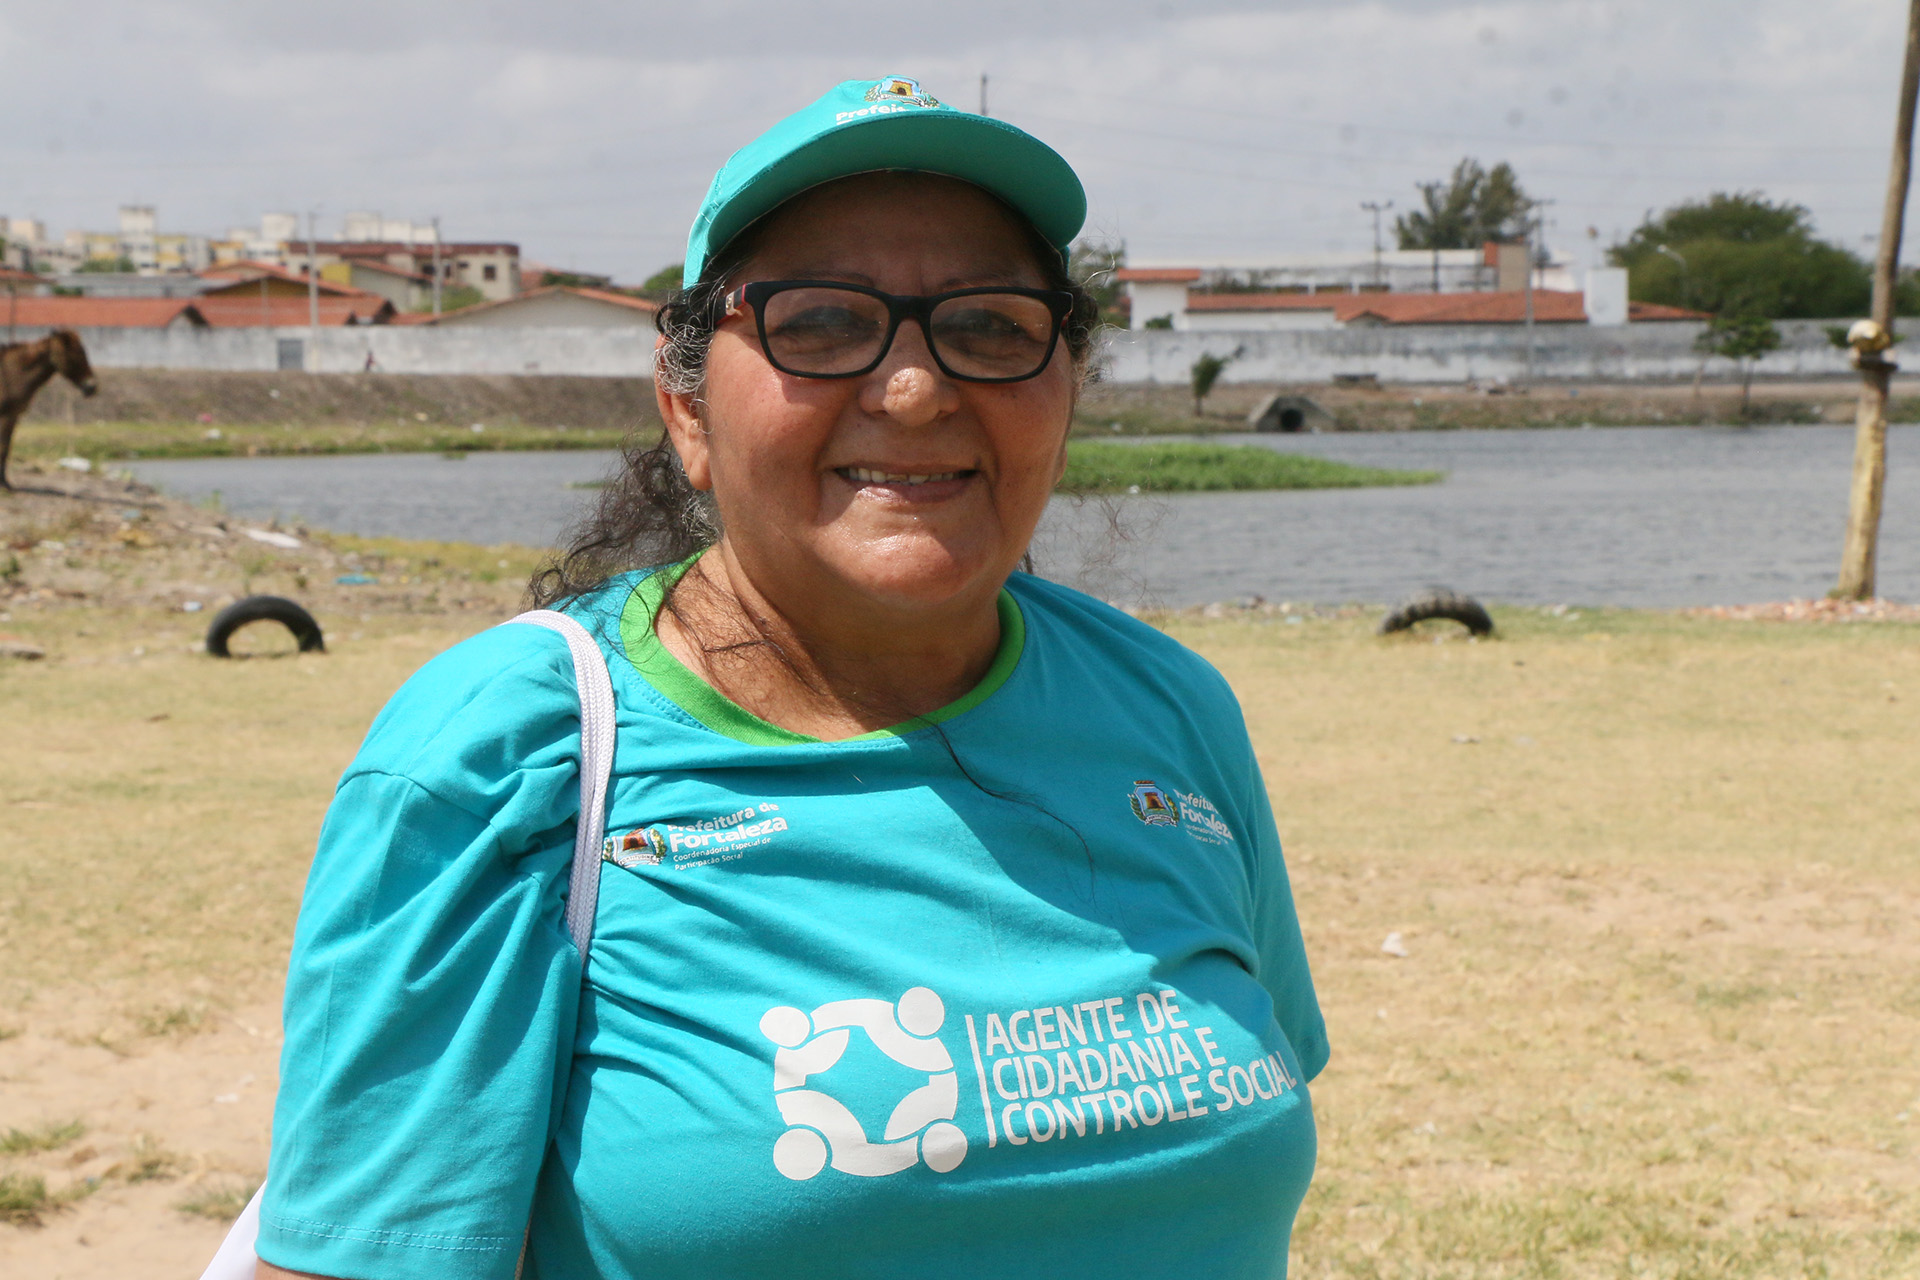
{"x": 851, "y": 226}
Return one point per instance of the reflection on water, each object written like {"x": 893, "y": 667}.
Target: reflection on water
{"x": 1639, "y": 516}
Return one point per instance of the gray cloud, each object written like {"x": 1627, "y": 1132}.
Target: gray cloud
{"x": 588, "y": 131}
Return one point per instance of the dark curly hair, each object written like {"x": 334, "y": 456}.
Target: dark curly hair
{"x": 650, "y": 514}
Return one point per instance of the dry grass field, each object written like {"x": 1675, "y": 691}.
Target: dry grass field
{"x": 1657, "y": 879}
{"x": 1659, "y": 883}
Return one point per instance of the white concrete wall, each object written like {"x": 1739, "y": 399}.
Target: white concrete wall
{"x": 1257, "y": 321}
{"x": 590, "y": 352}
{"x": 1153, "y": 299}
{"x": 1393, "y": 353}
{"x": 1458, "y": 353}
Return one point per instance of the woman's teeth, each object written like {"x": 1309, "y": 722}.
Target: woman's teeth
{"x": 862, "y": 475}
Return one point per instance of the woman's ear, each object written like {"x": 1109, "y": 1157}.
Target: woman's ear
{"x": 680, "y": 411}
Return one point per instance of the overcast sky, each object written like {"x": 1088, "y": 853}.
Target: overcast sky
{"x": 1204, "y": 129}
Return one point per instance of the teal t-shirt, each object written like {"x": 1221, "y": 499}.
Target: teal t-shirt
{"x": 1015, "y": 989}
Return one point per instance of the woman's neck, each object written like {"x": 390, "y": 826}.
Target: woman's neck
{"x": 833, "y": 672}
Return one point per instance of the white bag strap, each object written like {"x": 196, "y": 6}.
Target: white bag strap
{"x": 596, "y": 767}
{"x": 235, "y": 1260}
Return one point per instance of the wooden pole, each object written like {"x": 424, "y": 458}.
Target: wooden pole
{"x": 1870, "y": 341}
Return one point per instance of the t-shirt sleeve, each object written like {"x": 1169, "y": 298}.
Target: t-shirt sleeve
{"x": 432, "y": 992}
{"x": 1283, "y": 953}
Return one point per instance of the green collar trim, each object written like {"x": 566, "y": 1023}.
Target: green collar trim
{"x": 680, "y": 686}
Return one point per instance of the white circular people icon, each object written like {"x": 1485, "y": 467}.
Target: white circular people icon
{"x": 820, "y": 1128}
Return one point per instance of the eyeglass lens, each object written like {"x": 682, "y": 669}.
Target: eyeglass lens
{"x": 826, "y": 331}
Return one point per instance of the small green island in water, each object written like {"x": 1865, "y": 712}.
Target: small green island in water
{"x": 1102, "y": 466}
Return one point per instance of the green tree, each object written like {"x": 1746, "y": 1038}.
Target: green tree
{"x": 1743, "y": 340}
{"x": 1206, "y": 371}
{"x": 455, "y": 296}
{"x": 1739, "y": 254}
{"x": 107, "y": 266}
{"x": 664, "y": 281}
{"x": 1471, "y": 207}
{"x": 573, "y": 280}
{"x": 1092, "y": 262}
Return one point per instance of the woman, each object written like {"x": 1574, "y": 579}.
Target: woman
{"x": 943, "y": 929}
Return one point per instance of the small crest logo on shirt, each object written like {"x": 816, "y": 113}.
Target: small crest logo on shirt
{"x": 639, "y": 847}
{"x": 901, "y": 89}
{"x": 1151, "y": 806}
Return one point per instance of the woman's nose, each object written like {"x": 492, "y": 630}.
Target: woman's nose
{"x": 908, "y": 386}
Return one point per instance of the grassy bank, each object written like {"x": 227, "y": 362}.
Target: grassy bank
{"x": 1099, "y": 467}
{"x": 1167, "y": 409}
{"x": 101, "y": 442}
{"x": 1653, "y": 874}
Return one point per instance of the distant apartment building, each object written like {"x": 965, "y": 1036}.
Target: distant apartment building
{"x": 396, "y": 258}
{"x": 491, "y": 267}
{"x": 21, "y": 234}
{"x": 265, "y": 243}
{"x": 138, "y": 245}
{"x": 364, "y": 227}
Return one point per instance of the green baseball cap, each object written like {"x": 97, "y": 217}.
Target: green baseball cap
{"x": 866, "y": 125}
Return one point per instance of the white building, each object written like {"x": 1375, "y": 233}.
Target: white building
{"x": 1159, "y": 289}
{"x": 1164, "y": 298}
{"x": 361, "y": 227}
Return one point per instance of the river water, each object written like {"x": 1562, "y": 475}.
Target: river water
{"x": 1654, "y": 516}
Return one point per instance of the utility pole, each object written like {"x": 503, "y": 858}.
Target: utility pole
{"x": 436, "y": 266}
{"x": 983, "y": 95}
{"x": 1376, "y": 209}
{"x": 1870, "y": 340}
{"x": 1533, "y": 228}
{"x": 313, "y": 296}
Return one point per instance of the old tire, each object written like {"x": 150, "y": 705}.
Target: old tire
{"x": 1438, "y": 603}
{"x": 264, "y": 609}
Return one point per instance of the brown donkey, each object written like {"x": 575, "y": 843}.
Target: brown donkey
{"x": 25, "y": 367}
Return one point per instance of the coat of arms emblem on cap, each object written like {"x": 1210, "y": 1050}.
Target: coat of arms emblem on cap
{"x": 901, "y": 89}
{"x": 1151, "y": 806}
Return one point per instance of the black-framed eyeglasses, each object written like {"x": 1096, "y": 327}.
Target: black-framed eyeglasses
{"x": 826, "y": 329}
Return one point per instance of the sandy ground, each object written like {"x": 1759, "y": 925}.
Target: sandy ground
{"x": 192, "y": 1112}
{"x": 1653, "y": 876}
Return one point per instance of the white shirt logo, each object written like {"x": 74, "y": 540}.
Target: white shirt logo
{"x": 822, "y": 1128}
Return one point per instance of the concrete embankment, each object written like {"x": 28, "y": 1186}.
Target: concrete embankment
{"x": 179, "y": 395}
{"x": 224, "y": 399}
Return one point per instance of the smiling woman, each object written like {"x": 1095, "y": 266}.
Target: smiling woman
{"x": 941, "y": 926}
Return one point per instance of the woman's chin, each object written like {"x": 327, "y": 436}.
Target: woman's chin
{"x": 915, "y": 572}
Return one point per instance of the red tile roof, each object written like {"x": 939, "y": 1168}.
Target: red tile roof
{"x": 597, "y": 295}
{"x": 230, "y": 311}
{"x": 100, "y": 313}
{"x": 1158, "y": 275}
{"x": 608, "y": 295}
{"x": 1638, "y": 311}
{"x": 244, "y": 274}
{"x": 250, "y": 267}
{"x": 1550, "y": 306}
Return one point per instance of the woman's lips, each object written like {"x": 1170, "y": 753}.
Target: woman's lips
{"x": 912, "y": 486}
